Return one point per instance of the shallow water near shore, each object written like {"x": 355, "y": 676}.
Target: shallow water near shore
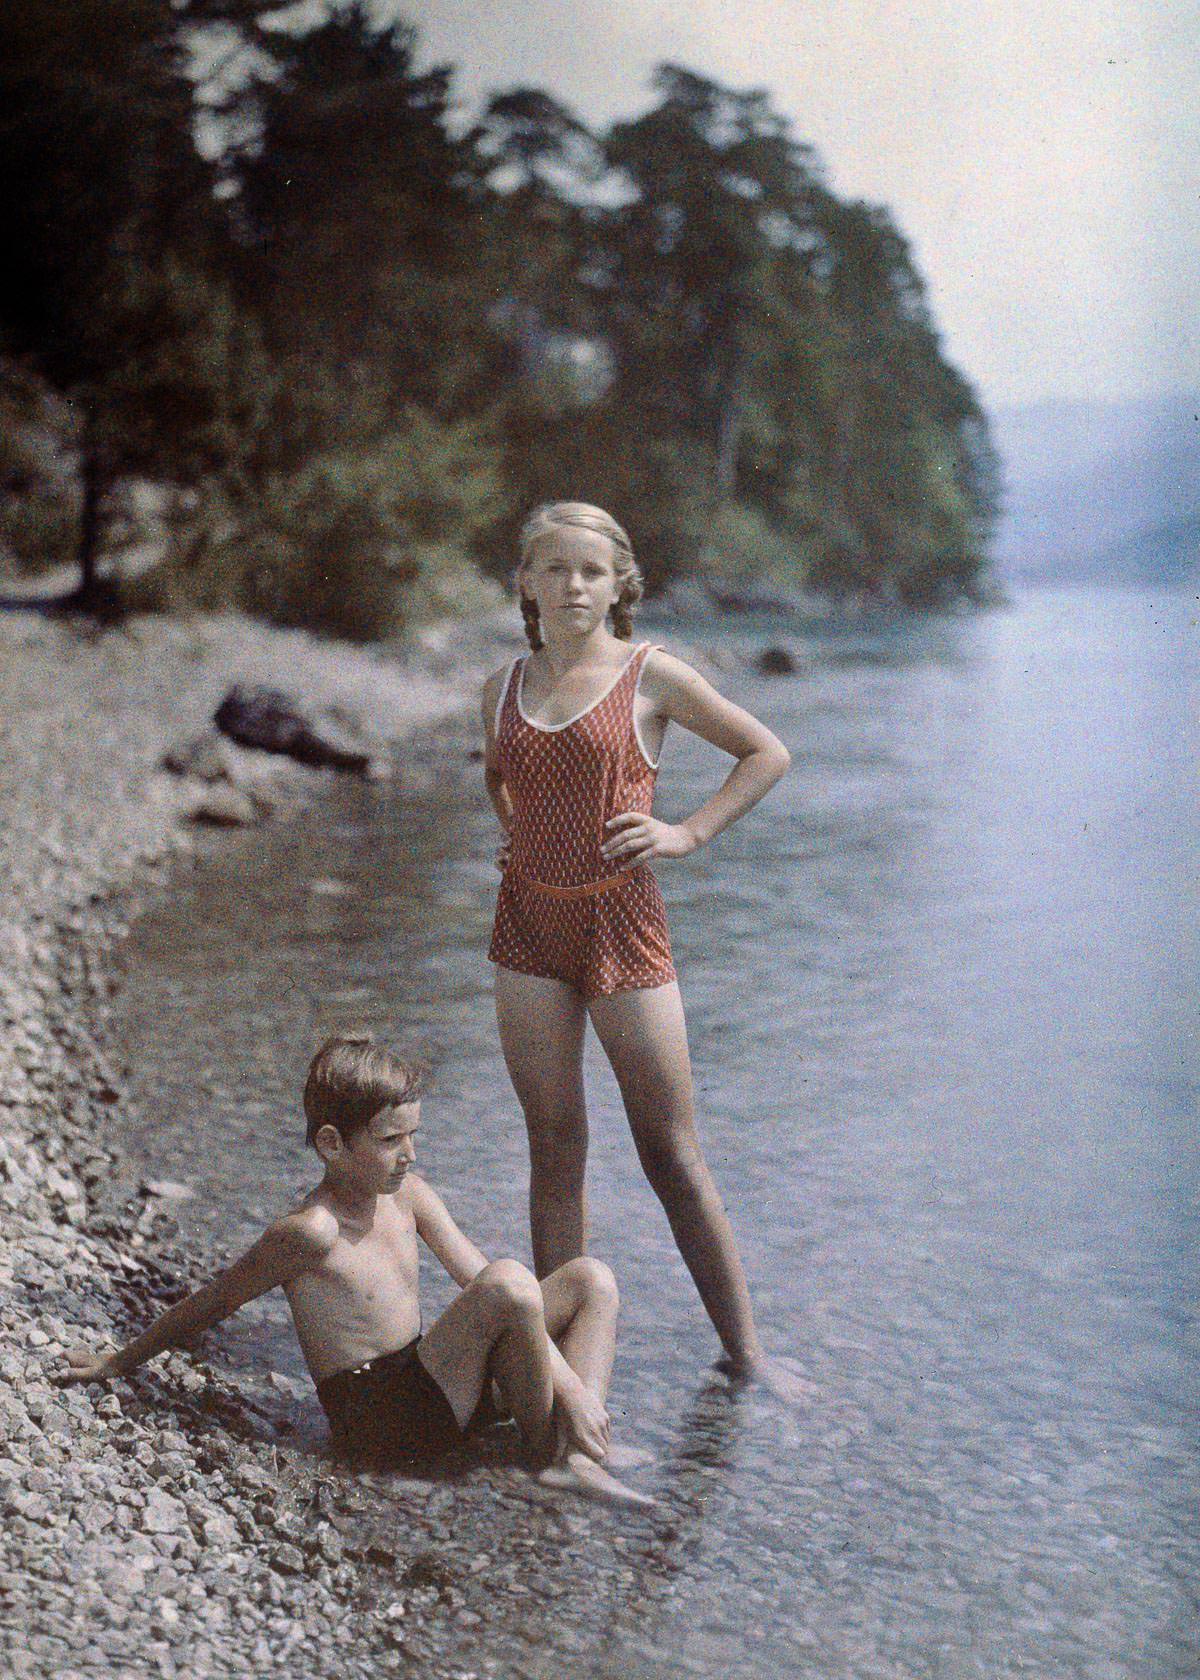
{"x": 941, "y": 992}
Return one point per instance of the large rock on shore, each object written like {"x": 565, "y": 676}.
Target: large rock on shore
{"x": 224, "y": 806}
{"x": 270, "y": 720}
{"x": 777, "y": 661}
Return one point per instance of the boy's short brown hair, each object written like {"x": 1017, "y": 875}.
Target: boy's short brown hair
{"x": 350, "y": 1079}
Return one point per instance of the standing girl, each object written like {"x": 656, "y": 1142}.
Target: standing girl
{"x": 573, "y": 735}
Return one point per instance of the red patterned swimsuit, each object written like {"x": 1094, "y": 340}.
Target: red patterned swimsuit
{"x": 564, "y": 911}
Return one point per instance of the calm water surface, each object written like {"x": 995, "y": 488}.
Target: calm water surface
{"x": 941, "y": 991}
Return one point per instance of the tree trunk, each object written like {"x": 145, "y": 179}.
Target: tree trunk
{"x": 101, "y": 597}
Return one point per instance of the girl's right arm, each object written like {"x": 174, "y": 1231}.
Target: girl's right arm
{"x": 493, "y": 780}
{"x": 289, "y": 1247}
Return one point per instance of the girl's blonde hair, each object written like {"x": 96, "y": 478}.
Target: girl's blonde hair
{"x": 581, "y": 516}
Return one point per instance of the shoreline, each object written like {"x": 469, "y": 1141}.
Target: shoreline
{"x": 175, "y": 1523}
{"x": 156, "y": 1524}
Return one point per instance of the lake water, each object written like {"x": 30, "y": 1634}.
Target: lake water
{"x": 941, "y": 989}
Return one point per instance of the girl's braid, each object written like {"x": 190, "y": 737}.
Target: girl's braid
{"x": 533, "y": 621}
{"x": 622, "y": 611}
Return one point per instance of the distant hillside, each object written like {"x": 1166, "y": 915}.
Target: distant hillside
{"x": 1100, "y": 492}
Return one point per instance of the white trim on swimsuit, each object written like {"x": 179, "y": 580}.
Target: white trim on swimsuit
{"x": 553, "y": 728}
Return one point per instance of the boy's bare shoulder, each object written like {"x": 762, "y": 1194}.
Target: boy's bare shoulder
{"x": 306, "y": 1234}
{"x": 419, "y": 1191}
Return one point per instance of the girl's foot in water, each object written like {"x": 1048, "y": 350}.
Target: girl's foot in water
{"x": 780, "y": 1377}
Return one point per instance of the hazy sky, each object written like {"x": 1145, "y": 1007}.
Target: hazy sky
{"x": 1043, "y": 156}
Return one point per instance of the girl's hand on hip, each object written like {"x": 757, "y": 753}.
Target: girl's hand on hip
{"x": 636, "y": 838}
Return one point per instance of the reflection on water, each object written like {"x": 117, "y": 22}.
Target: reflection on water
{"x": 941, "y": 996}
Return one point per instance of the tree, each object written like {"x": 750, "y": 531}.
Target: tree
{"x": 677, "y": 318}
{"x": 786, "y": 334}
{"x": 109, "y": 229}
{"x": 719, "y": 184}
{"x": 355, "y": 205}
{"x": 907, "y": 455}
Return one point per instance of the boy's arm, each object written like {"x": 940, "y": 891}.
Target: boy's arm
{"x": 436, "y": 1228}
{"x": 289, "y": 1247}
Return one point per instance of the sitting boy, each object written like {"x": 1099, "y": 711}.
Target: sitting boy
{"x": 348, "y": 1262}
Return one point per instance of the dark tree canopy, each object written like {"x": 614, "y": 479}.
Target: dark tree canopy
{"x": 365, "y": 337}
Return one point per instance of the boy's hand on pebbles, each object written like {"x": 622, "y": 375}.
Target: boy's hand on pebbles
{"x": 86, "y": 1365}
{"x": 635, "y": 838}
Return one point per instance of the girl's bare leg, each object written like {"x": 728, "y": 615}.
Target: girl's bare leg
{"x": 645, "y": 1038}
{"x": 644, "y": 1035}
{"x": 541, "y": 1033}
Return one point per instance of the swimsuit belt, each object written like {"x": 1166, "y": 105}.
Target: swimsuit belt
{"x": 587, "y": 890}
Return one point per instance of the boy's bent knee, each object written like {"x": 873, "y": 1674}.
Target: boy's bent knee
{"x": 510, "y": 1285}
{"x": 593, "y": 1279}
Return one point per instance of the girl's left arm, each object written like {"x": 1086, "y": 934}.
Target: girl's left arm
{"x": 681, "y": 695}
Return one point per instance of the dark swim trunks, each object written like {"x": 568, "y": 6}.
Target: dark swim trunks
{"x": 389, "y": 1408}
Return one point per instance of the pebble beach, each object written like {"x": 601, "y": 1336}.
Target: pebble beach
{"x": 162, "y": 1525}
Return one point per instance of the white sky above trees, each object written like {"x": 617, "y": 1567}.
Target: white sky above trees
{"x": 1043, "y": 156}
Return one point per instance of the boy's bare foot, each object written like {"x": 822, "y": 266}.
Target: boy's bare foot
{"x": 580, "y": 1474}
{"x": 781, "y": 1377}
{"x": 628, "y": 1458}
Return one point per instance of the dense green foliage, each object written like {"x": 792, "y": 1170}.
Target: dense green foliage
{"x": 353, "y": 344}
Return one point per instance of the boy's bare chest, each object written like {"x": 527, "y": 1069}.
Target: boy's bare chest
{"x": 377, "y": 1263}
